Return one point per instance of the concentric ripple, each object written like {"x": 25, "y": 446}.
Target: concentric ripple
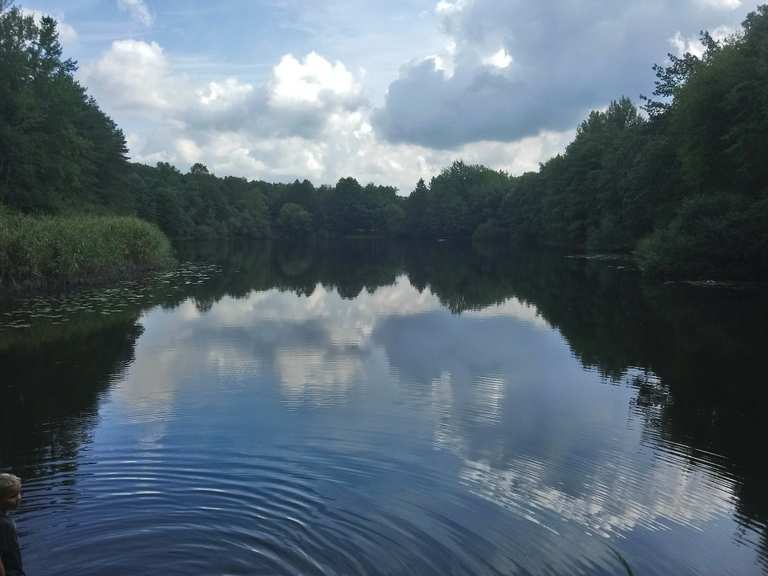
{"x": 287, "y": 513}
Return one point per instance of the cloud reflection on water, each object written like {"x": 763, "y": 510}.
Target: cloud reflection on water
{"x": 531, "y": 430}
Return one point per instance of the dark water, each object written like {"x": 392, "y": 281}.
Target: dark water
{"x": 376, "y": 409}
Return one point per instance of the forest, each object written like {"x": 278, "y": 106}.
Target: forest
{"x": 680, "y": 181}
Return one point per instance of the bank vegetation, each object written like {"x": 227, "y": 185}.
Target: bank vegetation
{"x": 680, "y": 181}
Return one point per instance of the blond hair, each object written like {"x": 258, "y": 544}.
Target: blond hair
{"x": 10, "y": 485}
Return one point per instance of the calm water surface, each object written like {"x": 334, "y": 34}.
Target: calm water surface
{"x": 376, "y": 409}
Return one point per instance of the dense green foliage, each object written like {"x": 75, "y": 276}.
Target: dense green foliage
{"x": 682, "y": 184}
{"x": 58, "y": 151}
{"x": 56, "y": 251}
{"x": 60, "y": 155}
{"x": 198, "y": 204}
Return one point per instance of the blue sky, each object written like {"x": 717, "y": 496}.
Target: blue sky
{"x": 382, "y": 91}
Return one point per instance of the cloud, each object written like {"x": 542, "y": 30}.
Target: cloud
{"x": 134, "y": 74}
{"x": 447, "y": 7}
{"x": 722, "y": 4}
{"x": 311, "y": 82}
{"x": 308, "y": 119}
{"x": 692, "y": 44}
{"x": 224, "y": 94}
{"x": 500, "y": 59}
{"x": 498, "y": 83}
{"x": 138, "y": 11}
{"x": 521, "y": 67}
{"x": 67, "y": 34}
{"x": 298, "y": 99}
{"x": 348, "y": 146}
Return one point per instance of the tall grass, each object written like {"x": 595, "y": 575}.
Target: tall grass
{"x": 54, "y": 252}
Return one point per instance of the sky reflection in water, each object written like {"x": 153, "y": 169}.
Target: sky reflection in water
{"x": 297, "y": 431}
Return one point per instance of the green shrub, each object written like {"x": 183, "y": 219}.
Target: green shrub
{"x": 59, "y": 251}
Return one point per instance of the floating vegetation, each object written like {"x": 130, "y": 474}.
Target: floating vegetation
{"x": 45, "y": 318}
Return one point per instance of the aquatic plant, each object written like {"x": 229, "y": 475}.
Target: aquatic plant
{"x": 52, "y": 252}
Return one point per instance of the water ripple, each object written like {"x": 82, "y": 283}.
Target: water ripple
{"x": 292, "y": 513}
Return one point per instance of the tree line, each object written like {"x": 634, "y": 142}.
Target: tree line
{"x": 680, "y": 181}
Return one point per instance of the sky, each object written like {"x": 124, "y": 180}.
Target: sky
{"x": 386, "y": 91}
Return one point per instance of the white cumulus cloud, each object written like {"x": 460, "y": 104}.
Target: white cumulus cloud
{"x": 133, "y": 74}
{"x": 309, "y": 119}
{"x": 311, "y": 80}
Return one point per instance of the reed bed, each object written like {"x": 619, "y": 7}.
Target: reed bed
{"x": 55, "y": 252}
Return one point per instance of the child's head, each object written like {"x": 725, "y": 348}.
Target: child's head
{"x": 10, "y": 491}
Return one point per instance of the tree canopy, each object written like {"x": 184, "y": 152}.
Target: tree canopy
{"x": 681, "y": 181}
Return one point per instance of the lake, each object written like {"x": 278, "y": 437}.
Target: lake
{"x": 370, "y": 408}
